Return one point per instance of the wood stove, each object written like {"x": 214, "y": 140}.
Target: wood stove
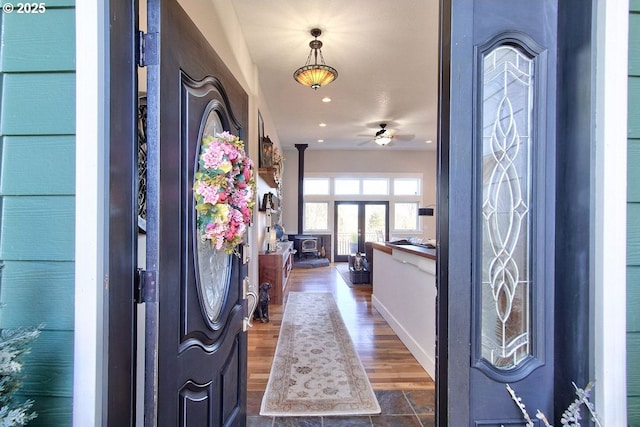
{"x": 306, "y": 245}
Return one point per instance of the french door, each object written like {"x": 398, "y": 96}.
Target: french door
{"x": 356, "y": 223}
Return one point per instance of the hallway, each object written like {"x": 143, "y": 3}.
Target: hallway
{"x": 404, "y": 390}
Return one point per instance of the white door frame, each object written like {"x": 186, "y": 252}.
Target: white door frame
{"x": 609, "y": 212}
{"x": 91, "y": 192}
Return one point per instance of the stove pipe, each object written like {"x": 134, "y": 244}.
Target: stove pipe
{"x": 301, "y": 148}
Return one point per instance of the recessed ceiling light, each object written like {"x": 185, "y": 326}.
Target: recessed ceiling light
{"x": 326, "y": 99}
{"x": 428, "y": 141}
{"x": 322, "y": 125}
{"x": 321, "y": 140}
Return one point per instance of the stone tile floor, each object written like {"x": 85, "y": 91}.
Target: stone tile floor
{"x": 414, "y": 408}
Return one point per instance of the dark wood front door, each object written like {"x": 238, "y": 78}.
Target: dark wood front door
{"x": 497, "y": 201}
{"x": 196, "y": 348}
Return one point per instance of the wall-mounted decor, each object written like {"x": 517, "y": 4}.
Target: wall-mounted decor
{"x": 267, "y": 202}
{"x": 266, "y": 153}
{"x": 260, "y": 136}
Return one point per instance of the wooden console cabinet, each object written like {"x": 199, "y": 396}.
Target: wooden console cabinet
{"x": 274, "y": 267}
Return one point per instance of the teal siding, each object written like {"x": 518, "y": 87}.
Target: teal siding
{"x": 38, "y": 228}
{"x": 51, "y": 365}
{"x": 24, "y": 171}
{"x": 38, "y": 104}
{"x": 633, "y": 345}
{"x": 633, "y": 233}
{"x": 633, "y": 300}
{"x": 37, "y": 198}
{"x": 24, "y": 286}
{"x": 633, "y": 125}
{"x": 633, "y": 219}
{"x": 633, "y": 171}
{"x": 33, "y": 41}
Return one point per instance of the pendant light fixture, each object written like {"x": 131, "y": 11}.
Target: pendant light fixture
{"x": 316, "y": 74}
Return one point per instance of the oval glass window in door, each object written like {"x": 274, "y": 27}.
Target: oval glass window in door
{"x": 213, "y": 265}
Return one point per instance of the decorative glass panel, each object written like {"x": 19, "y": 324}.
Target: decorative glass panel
{"x": 507, "y": 89}
{"x": 215, "y": 270}
{"x": 214, "y": 266}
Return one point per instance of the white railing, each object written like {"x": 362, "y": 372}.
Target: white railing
{"x": 346, "y": 246}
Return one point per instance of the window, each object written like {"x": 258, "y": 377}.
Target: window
{"x": 406, "y": 187}
{"x": 343, "y": 186}
{"x": 405, "y": 216}
{"x": 372, "y": 187}
{"x": 402, "y": 192}
{"x": 316, "y": 216}
{"x": 316, "y": 186}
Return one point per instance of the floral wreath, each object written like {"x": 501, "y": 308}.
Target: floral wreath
{"x": 224, "y": 190}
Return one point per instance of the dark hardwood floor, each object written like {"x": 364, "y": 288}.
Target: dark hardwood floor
{"x": 392, "y": 370}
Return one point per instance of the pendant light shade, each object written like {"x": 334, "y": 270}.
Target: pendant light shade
{"x": 317, "y": 74}
{"x": 382, "y": 140}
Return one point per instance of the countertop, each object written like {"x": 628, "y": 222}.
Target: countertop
{"x": 422, "y": 251}
{"x": 282, "y": 247}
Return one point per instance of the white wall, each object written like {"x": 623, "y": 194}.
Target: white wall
{"x": 369, "y": 161}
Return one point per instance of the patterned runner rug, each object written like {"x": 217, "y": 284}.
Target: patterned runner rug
{"x": 316, "y": 370}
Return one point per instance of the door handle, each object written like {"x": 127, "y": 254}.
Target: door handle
{"x": 252, "y": 299}
{"x": 246, "y": 253}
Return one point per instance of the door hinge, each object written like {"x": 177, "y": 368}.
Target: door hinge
{"x": 146, "y": 286}
{"x": 147, "y": 49}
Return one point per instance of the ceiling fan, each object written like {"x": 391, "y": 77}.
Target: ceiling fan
{"x": 385, "y": 136}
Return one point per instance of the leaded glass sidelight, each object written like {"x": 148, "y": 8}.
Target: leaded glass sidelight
{"x": 507, "y": 113}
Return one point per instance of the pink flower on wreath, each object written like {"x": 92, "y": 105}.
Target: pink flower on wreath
{"x": 231, "y": 152}
{"x": 247, "y": 170}
{"x": 209, "y": 193}
{"x": 246, "y": 213}
{"x": 224, "y": 191}
{"x": 213, "y": 157}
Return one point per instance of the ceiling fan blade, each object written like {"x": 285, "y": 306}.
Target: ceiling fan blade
{"x": 404, "y": 137}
